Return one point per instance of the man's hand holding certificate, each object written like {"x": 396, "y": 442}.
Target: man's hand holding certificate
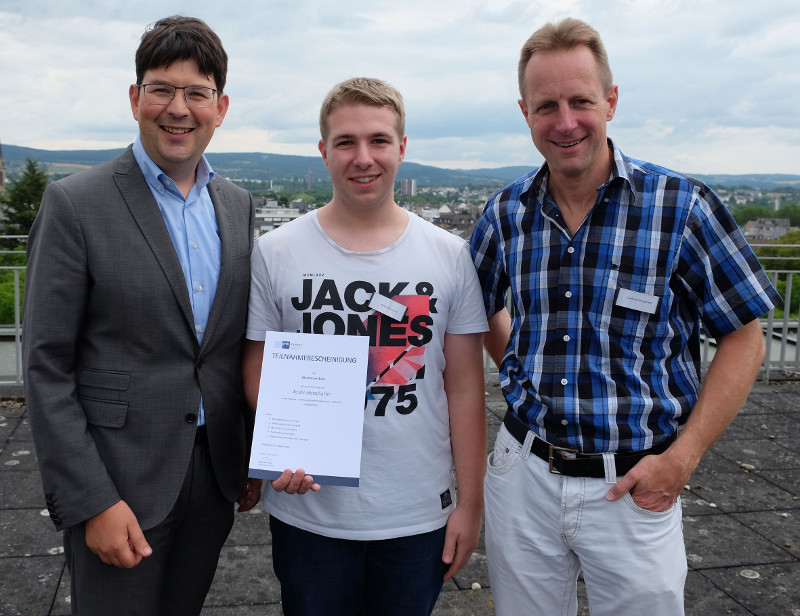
{"x": 310, "y": 412}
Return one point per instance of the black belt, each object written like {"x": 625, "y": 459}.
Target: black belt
{"x": 574, "y": 463}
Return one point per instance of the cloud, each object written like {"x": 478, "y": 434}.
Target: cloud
{"x": 705, "y": 86}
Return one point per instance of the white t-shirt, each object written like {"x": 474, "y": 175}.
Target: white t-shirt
{"x": 304, "y": 282}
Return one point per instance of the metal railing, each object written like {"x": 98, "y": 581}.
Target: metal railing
{"x": 780, "y": 332}
{"x": 11, "y": 334}
{"x": 782, "y": 357}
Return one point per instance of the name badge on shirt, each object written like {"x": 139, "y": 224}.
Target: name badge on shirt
{"x": 637, "y": 301}
{"x": 387, "y": 306}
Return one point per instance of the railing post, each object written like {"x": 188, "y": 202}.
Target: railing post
{"x": 17, "y": 327}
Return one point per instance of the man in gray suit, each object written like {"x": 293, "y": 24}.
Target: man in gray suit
{"x": 134, "y": 316}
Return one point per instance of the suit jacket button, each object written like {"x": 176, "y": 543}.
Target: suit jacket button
{"x": 190, "y": 418}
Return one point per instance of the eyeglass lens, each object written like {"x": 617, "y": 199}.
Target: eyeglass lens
{"x": 162, "y": 94}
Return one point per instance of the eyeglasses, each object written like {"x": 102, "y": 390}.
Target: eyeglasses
{"x": 162, "y": 94}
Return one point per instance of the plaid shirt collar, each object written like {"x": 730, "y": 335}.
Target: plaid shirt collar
{"x": 622, "y": 169}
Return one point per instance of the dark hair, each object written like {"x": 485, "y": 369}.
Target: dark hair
{"x": 564, "y": 36}
{"x": 182, "y": 38}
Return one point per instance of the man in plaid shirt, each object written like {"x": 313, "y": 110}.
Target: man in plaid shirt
{"x": 612, "y": 266}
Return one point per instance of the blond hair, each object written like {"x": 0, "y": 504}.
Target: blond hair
{"x": 362, "y": 91}
{"x": 564, "y": 36}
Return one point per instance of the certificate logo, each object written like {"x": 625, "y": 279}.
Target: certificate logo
{"x": 285, "y": 344}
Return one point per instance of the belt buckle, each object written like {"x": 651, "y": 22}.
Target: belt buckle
{"x": 552, "y": 449}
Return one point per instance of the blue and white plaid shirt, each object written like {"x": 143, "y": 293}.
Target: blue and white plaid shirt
{"x": 581, "y": 369}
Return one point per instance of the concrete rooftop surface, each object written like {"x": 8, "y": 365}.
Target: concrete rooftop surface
{"x": 741, "y": 513}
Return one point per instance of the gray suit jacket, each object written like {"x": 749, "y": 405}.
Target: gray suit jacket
{"x": 113, "y": 370}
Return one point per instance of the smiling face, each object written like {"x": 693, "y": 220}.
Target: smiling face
{"x": 176, "y": 135}
{"x": 362, "y": 153}
{"x": 567, "y": 108}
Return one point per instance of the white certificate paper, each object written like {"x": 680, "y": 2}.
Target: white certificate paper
{"x": 310, "y": 412}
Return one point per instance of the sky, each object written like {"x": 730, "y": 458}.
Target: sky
{"x": 705, "y": 86}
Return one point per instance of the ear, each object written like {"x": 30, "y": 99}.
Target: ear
{"x": 403, "y": 142}
{"x": 133, "y": 95}
{"x": 524, "y": 109}
{"x": 222, "y": 108}
{"x": 611, "y": 99}
{"x": 323, "y": 151}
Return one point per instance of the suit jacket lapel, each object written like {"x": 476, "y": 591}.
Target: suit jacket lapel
{"x": 144, "y": 209}
{"x": 227, "y": 241}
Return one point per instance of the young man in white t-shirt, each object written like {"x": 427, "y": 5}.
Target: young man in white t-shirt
{"x": 386, "y": 546}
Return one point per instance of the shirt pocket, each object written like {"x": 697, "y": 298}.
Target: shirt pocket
{"x": 630, "y": 323}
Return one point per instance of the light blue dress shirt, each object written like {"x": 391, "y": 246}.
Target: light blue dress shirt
{"x": 192, "y": 225}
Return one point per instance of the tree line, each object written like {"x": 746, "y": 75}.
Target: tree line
{"x": 19, "y": 205}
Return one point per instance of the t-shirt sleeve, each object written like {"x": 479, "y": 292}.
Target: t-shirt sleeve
{"x": 263, "y": 313}
{"x": 467, "y": 314}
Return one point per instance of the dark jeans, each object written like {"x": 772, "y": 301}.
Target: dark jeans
{"x": 321, "y": 576}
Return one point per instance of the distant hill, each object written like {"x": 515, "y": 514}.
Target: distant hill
{"x": 261, "y": 166}
{"x": 15, "y": 156}
{"x": 277, "y": 167}
{"x": 762, "y": 181}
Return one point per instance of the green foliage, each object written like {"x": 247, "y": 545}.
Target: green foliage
{"x": 306, "y": 197}
{"x": 790, "y": 211}
{"x": 19, "y": 206}
{"x": 20, "y": 203}
{"x": 7, "y": 296}
{"x": 794, "y": 302}
{"x": 745, "y": 213}
{"x": 15, "y": 259}
{"x": 781, "y": 258}
{"x": 784, "y": 258}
